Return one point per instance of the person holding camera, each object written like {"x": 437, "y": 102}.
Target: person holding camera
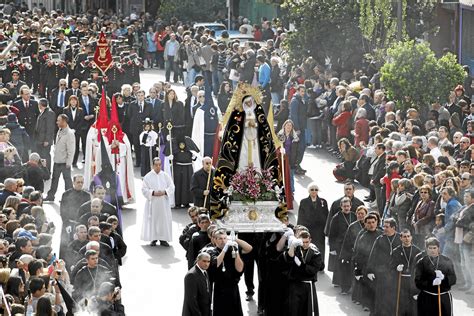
{"x": 107, "y": 301}
{"x": 36, "y": 172}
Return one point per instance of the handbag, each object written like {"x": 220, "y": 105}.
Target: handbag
{"x": 234, "y": 75}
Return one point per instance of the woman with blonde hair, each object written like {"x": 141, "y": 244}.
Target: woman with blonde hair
{"x": 287, "y": 135}
{"x": 13, "y": 202}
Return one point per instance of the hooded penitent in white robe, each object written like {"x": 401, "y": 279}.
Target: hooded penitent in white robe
{"x": 122, "y": 164}
{"x": 157, "y": 221}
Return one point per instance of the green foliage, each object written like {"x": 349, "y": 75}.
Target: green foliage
{"x": 189, "y": 10}
{"x": 414, "y": 77}
{"x": 326, "y": 28}
{"x": 378, "y": 23}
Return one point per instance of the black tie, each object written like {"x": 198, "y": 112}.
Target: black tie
{"x": 207, "y": 280}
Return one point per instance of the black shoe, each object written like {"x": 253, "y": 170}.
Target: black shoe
{"x": 153, "y": 243}
{"x": 164, "y": 243}
{"x": 48, "y": 199}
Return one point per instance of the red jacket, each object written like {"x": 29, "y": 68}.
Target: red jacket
{"x": 361, "y": 131}
{"x": 343, "y": 124}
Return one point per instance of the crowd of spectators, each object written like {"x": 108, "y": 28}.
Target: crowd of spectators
{"x": 417, "y": 163}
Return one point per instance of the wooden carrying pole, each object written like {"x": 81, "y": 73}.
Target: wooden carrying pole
{"x": 207, "y": 185}
{"x": 398, "y": 292}
{"x": 439, "y": 300}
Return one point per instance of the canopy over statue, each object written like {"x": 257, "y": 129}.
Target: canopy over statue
{"x": 248, "y": 141}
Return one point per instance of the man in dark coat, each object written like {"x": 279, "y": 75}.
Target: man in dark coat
{"x": 200, "y": 186}
{"x": 226, "y": 268}
{"x": 312, "y": 214}
{"x": 378, "y": 269}
{"x": 138, "y": 111}
{"x": 89, "y": 278}
{"x": 403, "y": 263}
{"x": 44, "y": 131}
{"x": 378, "y": 168}
{"x": 99, "y": 192}
{"x": 345, "y": 256}
{"x": 198, "y": 240}
{"x": 337, "y": 230}
{"x": 362, "y": 249}
{"x": 28, "y": 113}
{"x": 298, "y": 114}
{"x": 349, "y": 189}
{"x": 189, "y": 229}
{"x": 434, "y": 273}
{"x": 304, "y": 263}
{"x": 197, "y": 294}
{"x": 19, "y": 137}
{"x": 88, "y": 104}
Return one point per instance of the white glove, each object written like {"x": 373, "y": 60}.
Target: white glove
{"x": 297, "y": 242}
{"x": 371, "y": 276}
{"x": 171, "y": 157}
{"x": 228, "y": 244}
{"x": 235, "y": 245}
{"x": 289, "y": 232}
{"x": 436, "y": 281}
{"x": 168, "y": 137}
{"x": 291, "y": 240}
{"x": 439, "y": 275}
{"x": 334, "y": 253}
{"x": 282, "y": 150}
{"x": 400, "y": 267}
{"x": 415, "y": 297}
{"x": 297, "y": 261}
{"x": 358, "y": 277}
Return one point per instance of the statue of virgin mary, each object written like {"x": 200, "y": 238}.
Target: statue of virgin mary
{"x": 248, "y": 140}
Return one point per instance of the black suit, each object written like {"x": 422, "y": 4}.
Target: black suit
{"x": 53, "y": 101}
{"x": 87, "y": 123}
{"x": 27, "y": 117}
{"x": 78, "y": 125}
{"x": 156, "y": 111}
{"x": 197, "y": 297}
{"x": 70, "y": 92}
{"x": 136, "y": 116}
{"x": 44, "y": 133}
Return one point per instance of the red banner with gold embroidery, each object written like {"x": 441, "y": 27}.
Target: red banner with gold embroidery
{"x": 102, "y": 55}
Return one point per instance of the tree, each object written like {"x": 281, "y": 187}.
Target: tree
{"x": 379, "y": 23}
{"x": 326, "y": 28}
{"x": 189, "y": 10}
{"x": 414, "y": 77}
